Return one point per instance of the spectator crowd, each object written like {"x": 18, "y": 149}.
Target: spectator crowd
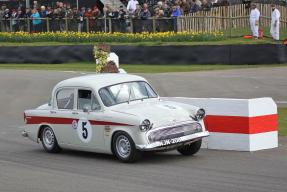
{"x": 62, "y": 16}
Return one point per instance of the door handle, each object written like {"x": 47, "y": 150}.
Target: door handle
{"x": 53, "y": 112}
{"x": 75, "y": 113}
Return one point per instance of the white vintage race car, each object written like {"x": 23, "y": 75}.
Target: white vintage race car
{"x": 119, "y": 114}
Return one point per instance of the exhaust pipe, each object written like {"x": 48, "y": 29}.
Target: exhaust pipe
{"x": 24, "y": 134}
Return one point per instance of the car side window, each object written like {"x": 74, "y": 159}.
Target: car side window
{"x": 65, "y": 99}
{"x": 95, "y": 103}
{"x": 86, "y": 99}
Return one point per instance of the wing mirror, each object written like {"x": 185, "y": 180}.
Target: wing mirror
{"x": 86, "y": 108}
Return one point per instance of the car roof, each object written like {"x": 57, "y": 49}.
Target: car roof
{"x": 97, "y": 81}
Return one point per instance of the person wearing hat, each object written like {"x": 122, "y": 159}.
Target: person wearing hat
{"x": 275, "y": 22}
{"x": 254, "y": 20}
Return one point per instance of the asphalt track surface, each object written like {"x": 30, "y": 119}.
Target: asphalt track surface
{"x": 25, "y": 167}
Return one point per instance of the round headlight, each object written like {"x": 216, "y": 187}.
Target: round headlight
{"x": 145, "y": 125}
{"x": 200, "y": 114}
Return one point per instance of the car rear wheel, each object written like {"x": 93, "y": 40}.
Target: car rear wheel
{"x": 190, "y": 149}
{"x": 124, "y": 148}
{"x": 49, "y": 140}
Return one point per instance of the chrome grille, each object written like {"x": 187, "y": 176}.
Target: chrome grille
{"x": 174, "y": 131}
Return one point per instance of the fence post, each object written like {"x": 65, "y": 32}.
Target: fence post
{"x": 230, "y": 27}
{"x": 87, "y": 24}
{"x": 105, "y": 24}
{"x": 110, "y": 25}
{"x": 132, "y": 26}
{"x": 153, "y": 25}
{"x": 66, "y": 23}
{"x": 179, "y": 23}
{"x": 28, "y": 25}
{"x": 230, "y": 21}
{"x": 207, "y": 27}
{"x": 11, "y": 28}
{"x": 48, "y": 24}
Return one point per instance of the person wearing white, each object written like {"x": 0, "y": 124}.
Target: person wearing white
{"x": 132, "y": 5}
{"x": 254, "y": 20}
{"x": 275, "y": 21}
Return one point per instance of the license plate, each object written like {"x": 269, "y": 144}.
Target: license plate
{"x": 170, "y": 141}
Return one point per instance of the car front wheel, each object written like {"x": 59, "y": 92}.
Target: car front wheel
{"x": 124, "y": 148}
{"x": 190, "y": 149}
{"x": 49, "y": 140}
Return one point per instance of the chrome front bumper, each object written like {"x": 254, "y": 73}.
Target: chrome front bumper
{"x": 158, "y": 145}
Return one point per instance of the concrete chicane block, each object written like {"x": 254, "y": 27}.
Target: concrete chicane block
{"x": 238, "y": 124}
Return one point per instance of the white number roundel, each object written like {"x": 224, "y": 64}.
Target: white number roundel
{"x": 84, "y": 130}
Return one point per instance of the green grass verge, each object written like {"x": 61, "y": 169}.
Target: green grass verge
{"x": 132, "y": 68}
{"x": 282, "y": 121}
{"x": 229, "y": 41}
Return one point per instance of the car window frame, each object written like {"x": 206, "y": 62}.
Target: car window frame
{"x": 55, "y": 106}
{"x": 93, "y": 94}
{"x": 127, "y": 82}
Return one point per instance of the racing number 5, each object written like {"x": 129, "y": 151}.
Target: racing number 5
{"x": 85, "y": 130}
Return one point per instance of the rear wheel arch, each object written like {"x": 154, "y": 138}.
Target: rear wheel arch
{"x": 40, "y": 129}
{"x": 48, "y": 139}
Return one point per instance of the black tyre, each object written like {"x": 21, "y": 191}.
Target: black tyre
{"x": 190, "y": 149}
{"x": 124, "y": 148}
{"x": 49, "y": 140}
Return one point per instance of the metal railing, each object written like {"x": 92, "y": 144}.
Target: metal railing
{"x": 230, "y": 26}
{"x": 89, "y": 25}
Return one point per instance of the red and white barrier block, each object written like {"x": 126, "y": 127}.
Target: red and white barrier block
{"x": 238, "y": 124}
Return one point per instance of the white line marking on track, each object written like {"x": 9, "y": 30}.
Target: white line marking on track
{"x": 281, "y": 102}
{"x": 69, "y": 71}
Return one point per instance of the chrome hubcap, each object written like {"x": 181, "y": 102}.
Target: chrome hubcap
{"x": 48, "y": 137}
{"x": 123, "y": 146}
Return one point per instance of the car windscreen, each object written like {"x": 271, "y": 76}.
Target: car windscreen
{"x": 126, "y": 92}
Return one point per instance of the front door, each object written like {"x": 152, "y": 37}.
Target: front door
{"x": 89, "y": 131}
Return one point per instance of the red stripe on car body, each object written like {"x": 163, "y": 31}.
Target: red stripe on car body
{"x": 213, "y": 123}
{"x": 64, "y": 121}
